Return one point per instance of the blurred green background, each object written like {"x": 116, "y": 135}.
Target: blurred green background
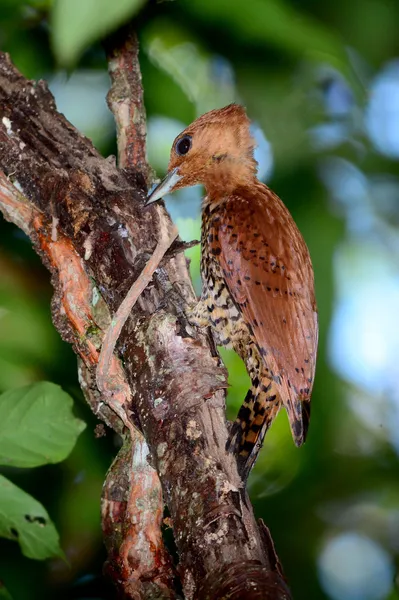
{"x": 321, "y": 84}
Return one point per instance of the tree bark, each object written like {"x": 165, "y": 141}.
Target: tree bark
{"x": 86, "y": 220}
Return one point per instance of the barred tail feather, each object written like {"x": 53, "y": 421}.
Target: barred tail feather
{"x": 299, "y": 417}
{"x": 251, "y": 447}
{"x": 257, "y": 413}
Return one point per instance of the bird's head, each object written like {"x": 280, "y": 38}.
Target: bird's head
{"x": 216, "y": 150}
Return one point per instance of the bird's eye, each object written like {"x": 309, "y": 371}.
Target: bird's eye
{"x": 183, "y": 145}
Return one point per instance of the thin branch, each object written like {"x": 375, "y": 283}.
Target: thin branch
{"x": 104, "y": 381}
{"x": 125, "y": 100}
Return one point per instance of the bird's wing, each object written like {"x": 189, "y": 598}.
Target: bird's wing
{"x": 269, "y": 274}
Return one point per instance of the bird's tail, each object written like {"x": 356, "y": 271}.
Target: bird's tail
{"x": 299, "y": 416}
{"x": 255, "y": 416}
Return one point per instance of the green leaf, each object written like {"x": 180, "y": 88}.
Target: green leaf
{"x": 37, "y": 425}
{"x": 78, "y": 23}
{"x": 25, "y": 520}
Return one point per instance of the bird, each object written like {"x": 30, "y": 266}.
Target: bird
{"x": 258, "y": 293}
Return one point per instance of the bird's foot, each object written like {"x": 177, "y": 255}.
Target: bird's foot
{"x": 173, "y": 300}
{"x": 197, "y": 314}
{"x": 179, "y": 246}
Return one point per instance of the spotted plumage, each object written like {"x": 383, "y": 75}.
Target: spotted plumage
{"x": 258, "y": 291}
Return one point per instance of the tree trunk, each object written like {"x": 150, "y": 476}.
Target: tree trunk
{"x": 87, "y": 221}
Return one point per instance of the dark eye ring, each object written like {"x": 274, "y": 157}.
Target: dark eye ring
{"x": 183, "y": 145}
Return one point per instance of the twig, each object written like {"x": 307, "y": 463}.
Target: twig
{"x": 125, "y": 100}
{"x": 104, "y": 382}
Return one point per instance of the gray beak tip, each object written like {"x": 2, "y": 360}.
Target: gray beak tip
{"x": 163, "y": 188}
{"x": 152, "y": 197}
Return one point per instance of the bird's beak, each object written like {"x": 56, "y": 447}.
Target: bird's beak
{"x": 163, "y": 188}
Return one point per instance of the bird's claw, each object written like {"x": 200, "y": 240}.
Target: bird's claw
{"x": 179, "y": 246}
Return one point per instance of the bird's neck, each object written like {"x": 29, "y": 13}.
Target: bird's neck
{"x": 224, "y": 182}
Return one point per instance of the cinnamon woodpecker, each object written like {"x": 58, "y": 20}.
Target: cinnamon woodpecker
{"x": 258, "y": 285}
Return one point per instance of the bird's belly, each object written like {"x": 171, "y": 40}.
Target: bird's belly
{"x": 227, "y": 323}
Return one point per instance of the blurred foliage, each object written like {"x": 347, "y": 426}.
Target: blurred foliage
{"x": 4, "y": 595}
{"x": 320, "y": 81}
{"x": 75, "y": 24}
